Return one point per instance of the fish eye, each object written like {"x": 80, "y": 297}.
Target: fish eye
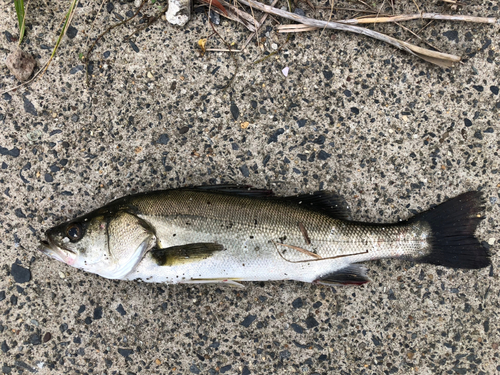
{"x": 74, "y": 232}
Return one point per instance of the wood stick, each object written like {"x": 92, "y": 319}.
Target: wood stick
{"x": 416, "y": 16}
{"x": 438, "y": 58}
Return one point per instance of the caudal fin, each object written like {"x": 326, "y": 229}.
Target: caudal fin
{"x": 452, "y": 241}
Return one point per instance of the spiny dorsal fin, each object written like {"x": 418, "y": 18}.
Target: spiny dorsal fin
{"x": 325, "y": 202}
{"x": 193, "y": 252}
{"x": 243, "y": 190}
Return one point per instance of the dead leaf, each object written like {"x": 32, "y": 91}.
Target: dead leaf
{"x": 201, "y": 44}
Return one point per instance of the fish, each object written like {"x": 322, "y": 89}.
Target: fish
{"x": 228, "y": 234}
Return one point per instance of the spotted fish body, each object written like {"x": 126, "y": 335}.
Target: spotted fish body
{"x": 227, "y": 235}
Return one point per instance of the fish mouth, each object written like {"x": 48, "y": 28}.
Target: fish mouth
{"x": 55, "y": 252}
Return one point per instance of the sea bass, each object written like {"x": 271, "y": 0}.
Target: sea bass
{"x": 227, "y": 234}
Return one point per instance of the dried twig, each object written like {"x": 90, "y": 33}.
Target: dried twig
{"x": 416, "y": 16}
{"x": 104, "y": 33}
{"x": 438, "y": 58}
{"x": 238, "y": 15}
{"x": 262, "y": 20}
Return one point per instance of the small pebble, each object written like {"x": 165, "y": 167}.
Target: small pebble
{"x": 491, "y": 241}
{"x": 62, "y": 275}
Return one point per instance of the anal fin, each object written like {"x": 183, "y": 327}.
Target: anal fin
{"x": 218, "y": 281}
{"x": 350, "y": 275}
{"x": 193, "y": 252}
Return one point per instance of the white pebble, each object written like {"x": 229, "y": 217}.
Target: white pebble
{"x": 62, "y": 275}
{"x": 491, "y": 241}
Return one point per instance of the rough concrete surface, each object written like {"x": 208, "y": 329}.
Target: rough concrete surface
{"x": 392, "y": 134}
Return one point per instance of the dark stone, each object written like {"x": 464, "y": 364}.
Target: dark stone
{"x": 110, "y": 7}
{"x": 234, "y": 111}
{"x": 46, "y": 337}
{"x": 75, "y": 118}
{"x": 35, "y": 339}
{"x": 320, "y": 140}
{"x": 8, "y": 36}
{"x": 5, "y": 151}
{"x": 184, "y": 130}
{"x": 88, "y": 320}
{"x": 391, "y": 296}
{"x": 7, "y": 369}
{"x": 81, "y": 309}
{"x": 19, "y": 213}
{"x": 274, "y": 137}
{"x": 327, "y": 74}
{"x": 376, "y": 340}
{"x": 317, "y": 304}
{"x": 48, "y": 177}
{"x": 2, "y": 295}
{"x": 494, "y": 89}
{"x": 297, "y": 303}
{"x": 63, "y": 327}
{"x": 467, "y": 122}
{"x": 311, "y": 322}
{"x": 323, "y": 155}
{"x": 5, "y": 348}
{"x": 29, "y": 107}
{"x": 478, "y": 88}
{"x": 98, "y": 313}
{"x": 285, "y": 354}
{"x": 7, "y": 97}
{"x": 248, "y": 320}
{"x": 194, "y": 369}
{"x": 13, "y": 300}
{"x": 225, "y": 369}
{"x": 20, "y": 274}
{"x": 266, "y": 160}
{"x": 452, "y": 35}
{"x": 300, "y": 12}
{"x": 163, "y": 139}
{"x": 355, "y": 110}
{"x": 301, "y": 123}
{"x": 77, "y": 340}
{"x": 107, "y": 53}
{"x": 235, "y": 146}
{"x": 489, "y": 130}
{"x": 297, "y": 328}
{"x": 76, "y": 69}
{"x": 245, "y": 371}
{"x": 125, "y": 352}
{"x": 71, "y": 32}
{"x": 244, "y": 170}
{"x": 348, "y": 93}
{"x": 121, "y": 310}
{"x": 478, "y": 134}
{"x": 134, "y": 46}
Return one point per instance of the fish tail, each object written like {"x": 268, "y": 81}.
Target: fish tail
{"x": 452, "y": 225}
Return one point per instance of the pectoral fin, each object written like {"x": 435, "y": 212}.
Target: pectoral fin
{"x": 353, "y": 274}
{"x": 193, "y": 252}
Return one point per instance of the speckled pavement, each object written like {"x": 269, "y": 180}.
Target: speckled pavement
{"x": 392, "y": 134}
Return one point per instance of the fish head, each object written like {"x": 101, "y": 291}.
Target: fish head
{"x": 110, "y": 245}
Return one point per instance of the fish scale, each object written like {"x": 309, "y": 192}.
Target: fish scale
{"x": 225, "y": 234}
{"x": 253, "y": 233}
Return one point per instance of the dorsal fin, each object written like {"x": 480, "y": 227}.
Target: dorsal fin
{"x": 243, "y": 190}
{"x": 325, "y": 202}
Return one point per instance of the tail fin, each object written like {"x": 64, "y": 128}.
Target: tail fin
{"x": 452, "y": 241}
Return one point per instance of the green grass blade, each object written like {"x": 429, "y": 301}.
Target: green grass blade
{"x": 19, "y": 4}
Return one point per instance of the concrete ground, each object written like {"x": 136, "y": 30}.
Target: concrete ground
{"x": 391, "y": 133}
